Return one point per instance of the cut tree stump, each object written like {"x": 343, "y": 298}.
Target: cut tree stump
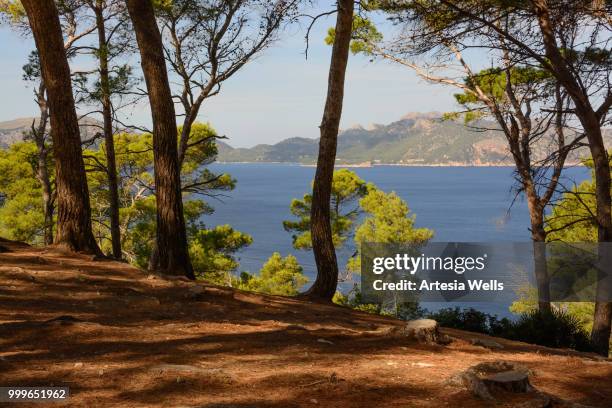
{"x": 486, "y": 379}
{"x": 423, "y": 330}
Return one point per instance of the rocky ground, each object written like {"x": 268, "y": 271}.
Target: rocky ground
{"x": 120, "y": 337}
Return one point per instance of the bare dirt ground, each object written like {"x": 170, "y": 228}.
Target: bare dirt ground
{"x": 120, "y": 337}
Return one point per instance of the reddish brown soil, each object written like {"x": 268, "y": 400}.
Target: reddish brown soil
{"x": 132, "y": 340}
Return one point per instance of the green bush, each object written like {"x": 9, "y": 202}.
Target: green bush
{"x": 471, "y": 320}
{"x": 551, "y": 329}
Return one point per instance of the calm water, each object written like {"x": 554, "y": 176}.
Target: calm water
{"x": 465, "y": 204}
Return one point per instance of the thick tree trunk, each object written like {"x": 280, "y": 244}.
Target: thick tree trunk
{"x": 600, "y": 334}
{"x": 74, "y": 212}
{"x": 325, "y": 285}
{"x": 111, "y": 165}
{"x": 172, "y": 251}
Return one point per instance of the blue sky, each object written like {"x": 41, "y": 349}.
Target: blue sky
{"x": 279, "y": 95}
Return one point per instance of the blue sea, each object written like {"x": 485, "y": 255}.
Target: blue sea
{"x": 461, "y": 204}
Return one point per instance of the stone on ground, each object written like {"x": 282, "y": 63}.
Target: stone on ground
{"x": 486, "y": 343}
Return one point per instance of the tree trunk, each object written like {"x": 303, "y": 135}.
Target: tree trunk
{"x": 111, "y": 165}
{"x": 325, "y": 285}
{"x": 74, "y": 212}
{"x": 538, "y": 237}
{"x": 172, "y": 251}
{"x": 42, "y": 172}
{"x": 600, "y": 334}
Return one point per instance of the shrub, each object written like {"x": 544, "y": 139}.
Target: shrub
{"x": 470, "y": 320}
{"x": 551, "y": 329}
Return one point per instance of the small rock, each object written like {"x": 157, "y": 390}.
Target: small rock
{"x": 196, "y": 293}
{"x": 78, "y": 365}
{"x": 295, "y": 327}
{"x": 486, "y": 343}
{"x": 421, "y": 365}
{"x": 325, "y": 341}
{"x": 196, "y": 290}
{"x": 183, "y": 368}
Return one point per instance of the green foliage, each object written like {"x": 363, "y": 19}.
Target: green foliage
{"x": 388, "y": 217}
{"x": 388, "y": 221}
{"x": 13, "y": 11}
{"x": 527, "y": 300}
{"x": 571, "y": 219}
{"x": 162, "y": 4}
{"x": 21, "y": 205}
{"x": 195, "y": 176}
{"x": 22, "y": 216}
{"x": 278, "y": 276}
{"x": 212, "y": 249}
{"x": 354, "y": 300}
{"x": 89, "y": 91}
{"x": 347, "y": 188}
{"x": 364, "y": 33}
{"x": 551, "y": 329}
{"x": 471, "y": 320}
{"x": 212, "y": 252}
{"x": 31, "y": 70}
{"x": 527, "y": 83}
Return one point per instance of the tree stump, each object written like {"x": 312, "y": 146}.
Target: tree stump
{"x": 486, "y": 379}
{"x": 422, "y": 330}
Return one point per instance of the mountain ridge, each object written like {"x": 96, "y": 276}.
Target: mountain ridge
{"x": 13, "y": 130}
{"x": 416, "y": 139}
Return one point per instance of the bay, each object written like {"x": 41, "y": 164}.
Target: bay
{"x": 461, "y": 204}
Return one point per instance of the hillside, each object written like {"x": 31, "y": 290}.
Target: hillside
{"x": 415, "y": 139}
{"x": 119, "y": 337}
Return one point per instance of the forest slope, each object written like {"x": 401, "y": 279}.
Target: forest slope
{"x": 119, "y": 337}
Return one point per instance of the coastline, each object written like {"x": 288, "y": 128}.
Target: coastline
{"x": 363, "y": 165}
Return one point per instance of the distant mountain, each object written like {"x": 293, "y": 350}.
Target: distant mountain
{"x": 415, "y": 139}
{"x": 12, "y": 131}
